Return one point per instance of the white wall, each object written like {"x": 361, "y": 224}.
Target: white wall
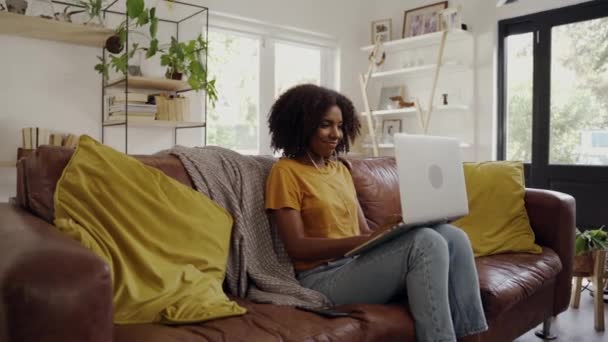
{"x": 53, "y": 85}
{"x": 482, "y": 18}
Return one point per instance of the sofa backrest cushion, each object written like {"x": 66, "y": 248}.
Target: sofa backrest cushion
{"x": 377, "y": 184}
{"x": 497, "y": 221}
{"x": 37, "y": 176}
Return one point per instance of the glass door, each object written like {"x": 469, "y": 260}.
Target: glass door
{"x": 553, "y": 103}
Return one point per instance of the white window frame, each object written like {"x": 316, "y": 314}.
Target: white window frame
{"x": 268, "y": 34}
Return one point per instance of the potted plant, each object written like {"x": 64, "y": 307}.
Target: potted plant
{"x": 185, "y": 59}
{"x": 181, "y": 58}
{"x": 140, "y": 17}
{"x": 586, "y": 244}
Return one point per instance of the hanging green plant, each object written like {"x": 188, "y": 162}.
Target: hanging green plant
{"x": 139, "y": 16}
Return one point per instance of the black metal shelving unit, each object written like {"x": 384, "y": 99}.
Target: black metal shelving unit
{"x": 184, "y": 12}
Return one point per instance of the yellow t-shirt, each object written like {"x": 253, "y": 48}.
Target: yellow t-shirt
{"x": 326, "y": 199}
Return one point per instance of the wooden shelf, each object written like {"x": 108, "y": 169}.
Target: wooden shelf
{"x": 152, "y": 84}
{"x": 412, "y": 110}
{"x": 430, "y": 39}
{"x": 421, "y": 70}
{"x": 48, "y": 29}
{"x": 133, "y": 122}
{"x": 387, "y": 146}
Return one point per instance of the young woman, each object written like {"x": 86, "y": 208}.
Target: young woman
{"x": 314, "y": 205}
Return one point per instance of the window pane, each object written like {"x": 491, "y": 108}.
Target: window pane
{"x": 295, "y": 65}
{"x": 234, "y": 63}
{"x": 579, "y": 93}
{"x": 519, "y": 78}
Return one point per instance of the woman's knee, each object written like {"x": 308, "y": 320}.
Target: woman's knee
{"x": 454, "y": 236}
{"x": 430, "y": 240}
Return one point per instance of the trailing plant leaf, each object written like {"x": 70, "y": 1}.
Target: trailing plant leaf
{"x": 143, "y": 18}
{"x": 133, "y": 50}
{"x": 153, "y": 27}
{"x": 153, "y": 49}
{"x": 580, "y": 246}
{"x": 134, "y": 8}
{"x": 102, "y": 68}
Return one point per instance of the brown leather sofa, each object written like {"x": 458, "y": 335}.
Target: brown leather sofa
{"x": 53, "y": 289}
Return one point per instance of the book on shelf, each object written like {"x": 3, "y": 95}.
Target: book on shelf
{"x": 33, "y": 137}
{"x": 141, "y": 108}
{"x": 130, "y": 97}
{"x": 122, "y": 117}
{"x": 56, "y": 140}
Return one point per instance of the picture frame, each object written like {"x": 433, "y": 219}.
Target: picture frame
{"x": 382, "y": 28}
{"x": 385, "y": 102}
{"x": 423, "y": 20}
{"x": 389, "y": 128}
{"x": 451, "y": 18}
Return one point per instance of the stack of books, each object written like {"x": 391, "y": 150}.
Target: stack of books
{"x": 133, "y": 105}
{"x": 32, "y": 137}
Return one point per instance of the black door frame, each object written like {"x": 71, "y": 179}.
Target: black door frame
{"x": 539, "y": 172}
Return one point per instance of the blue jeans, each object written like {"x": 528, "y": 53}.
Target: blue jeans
{"x": 434, "y": 267}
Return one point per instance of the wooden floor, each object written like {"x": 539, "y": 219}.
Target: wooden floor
{"x": 574, "y": 325}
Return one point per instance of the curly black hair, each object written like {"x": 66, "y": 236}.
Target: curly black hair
{"x": 298, "y": 112}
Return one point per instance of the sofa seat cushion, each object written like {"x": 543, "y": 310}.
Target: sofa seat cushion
{"x": 507, "y": 279}
{"x": 269, "y": 323}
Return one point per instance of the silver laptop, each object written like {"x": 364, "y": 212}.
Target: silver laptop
{"x": 431, "y": 184}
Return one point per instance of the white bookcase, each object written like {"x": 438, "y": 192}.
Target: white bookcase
{"x": 427, "y": 66}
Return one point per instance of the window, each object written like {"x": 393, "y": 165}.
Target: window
{"x": 599, "y": 139}
{"x": 519, "y": 72}
{"x": 234, "y": 63}
{"x": 251, "y": 70}
{"x": 579, "y": 101}
{"x": 553, "y": 104}
{"x": 295, "y": 65}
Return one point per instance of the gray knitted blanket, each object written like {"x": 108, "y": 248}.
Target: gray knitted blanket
{"x": 258, "y": 267}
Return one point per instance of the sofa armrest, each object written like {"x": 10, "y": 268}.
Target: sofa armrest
{"x": 553, "y": 218}
{"x": 52, "y": 288}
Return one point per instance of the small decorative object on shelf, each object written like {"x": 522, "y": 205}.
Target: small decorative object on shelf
{"x": 451, "y": 19}
{"x": 423, "y": 20}
{"x": 16, "y": 6}
{"x": 382, "y": 30}
{"x": 386, "y": 97}
{"x": 401, "y": 103}
{"x": 445, "y": 99}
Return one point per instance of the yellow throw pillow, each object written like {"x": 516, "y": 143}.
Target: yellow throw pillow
{"x": 497, "y": 221}
{"x": 166, "y": 244}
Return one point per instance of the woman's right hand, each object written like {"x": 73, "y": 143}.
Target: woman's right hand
{"x": 395, "y": 220}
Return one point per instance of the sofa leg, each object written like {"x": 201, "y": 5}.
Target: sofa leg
{"x": 545, "y": 332}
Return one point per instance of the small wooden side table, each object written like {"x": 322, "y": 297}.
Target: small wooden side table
{"x": 597, "y": 277}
